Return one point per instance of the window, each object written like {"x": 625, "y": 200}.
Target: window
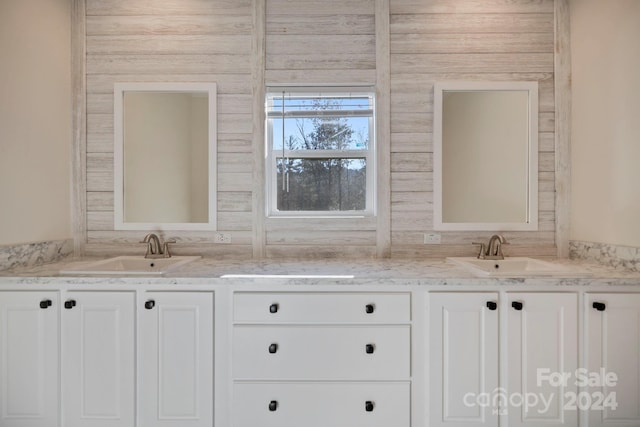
{"x": 320, "y": 151}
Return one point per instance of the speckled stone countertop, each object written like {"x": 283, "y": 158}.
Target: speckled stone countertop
{"x": 316, "y": 272}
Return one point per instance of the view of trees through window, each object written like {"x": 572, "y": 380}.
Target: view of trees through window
{"x": 321, "y": 146}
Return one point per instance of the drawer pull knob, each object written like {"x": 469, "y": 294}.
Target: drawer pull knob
{"x": 492, "y": 305}
{"x": 370, "y": 308}
{"x": 273, "y": 405}
{"x": 370, "y": 348}
{"x": 600, "y": 306}
{"x": 69, "y": 304}
{"x": 517, "y": 305}
{"x": 149, "y": 304}
{"x": 368, "y": 406}
{"x": 273, "y": 348}
{"x": 273, "y": 308}
{"x": 44, "y": 304}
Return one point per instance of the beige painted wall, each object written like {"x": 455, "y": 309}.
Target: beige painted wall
{"x": 35, "y": 121}
{"x": 606, "y": 121}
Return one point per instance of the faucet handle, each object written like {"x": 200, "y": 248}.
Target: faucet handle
{"x": 483, "y": 251}
{"x": 165, "y": 248}
{"x": 149, "y": 248}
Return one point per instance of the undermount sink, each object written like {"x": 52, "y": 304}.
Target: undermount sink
{"x": 513, "y": 267}
{"x": 130, "y": 265}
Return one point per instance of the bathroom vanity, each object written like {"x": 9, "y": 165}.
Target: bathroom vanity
{"x": 375, "y": 343}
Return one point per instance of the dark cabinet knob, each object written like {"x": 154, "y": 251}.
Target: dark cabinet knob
{"x": 517, "y": 305}
{"x": 46, "y": 303}
{"x": 273, "y": 308}
{"x": 600, "y": 306}
{"x": 370, "y": 308}
{"x": 370, "y": 348}
{"x": 273, "y": 405}
{"x": 492, "y": 305}
{"x": 273, "y": 348}
{"x": 69, "y": 304}
{"x": 368, "y": 406}
{"x": 149, "y": 304}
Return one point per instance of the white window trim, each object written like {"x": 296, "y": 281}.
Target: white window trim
{"x": 272, "y": 156}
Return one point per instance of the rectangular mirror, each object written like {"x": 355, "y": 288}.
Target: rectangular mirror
{"x": 485, "y": 156}
{"x": 165, "y": 156}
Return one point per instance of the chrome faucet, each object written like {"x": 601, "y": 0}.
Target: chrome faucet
{"x": 494, "y": 249}
{"x": 154, "y": 248}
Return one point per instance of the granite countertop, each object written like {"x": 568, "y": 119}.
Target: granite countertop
{"x": 357, "y": 271}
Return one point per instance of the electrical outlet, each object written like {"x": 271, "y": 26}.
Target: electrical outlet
{"x": 222, "y": 238}
{"x": 432, "y": 239}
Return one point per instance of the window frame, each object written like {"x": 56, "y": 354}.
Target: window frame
{"x": 272, "y": 156}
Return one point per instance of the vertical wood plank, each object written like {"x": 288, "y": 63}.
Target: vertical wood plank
{"x": 383, "y": 127}
{"x": 79, "y": 126}
{"x": 258, "y": 59}
{"x": 562, "y": 66}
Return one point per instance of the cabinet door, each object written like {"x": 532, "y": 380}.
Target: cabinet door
{"x": 463, "y": 358}
{"x": 98, "y": 367}
{"x": 542, "y": 345}
{"x": 176, "y": 359}
{"x": 613, "y": 343}
{"x": 29, "y": 359}
{"x": 322, "y": 404}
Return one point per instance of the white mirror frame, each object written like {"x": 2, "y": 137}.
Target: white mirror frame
{"x": 531, "y": 223}
{"x": 118, "y": 158}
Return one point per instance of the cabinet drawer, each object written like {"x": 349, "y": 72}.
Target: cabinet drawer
{"x": 321, "y": 404}
{"x": 321, "y": 352}
{"x": 322, "y": 307}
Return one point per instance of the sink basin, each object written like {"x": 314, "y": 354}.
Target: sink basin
{"x": 513, "y": 267}
{"x": 130, "y": 265}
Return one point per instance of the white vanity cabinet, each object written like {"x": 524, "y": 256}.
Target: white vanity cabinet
{"x": 98, "y": 359}
{"x": 321, "y": 359}
{"x": 538, "y": 331}
{"x": 613, "y": 353}
{"x": 29, "y": 350}
{"x": 175, "y": 359}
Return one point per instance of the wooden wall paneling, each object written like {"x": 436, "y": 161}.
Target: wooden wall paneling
{"x": 471, "y": 6}
{"x": 160, "y": 25}
{"x": 466, "y": 40}
{"x": 563, "y": 125}
{"x": 311, "y": 237}
{"x": 312, "y": 7}
{"x": 321, "y": 252}
{"x": 326, "y": 24}
{"x": 314, "y": 76}
{"x": 383, "y": 129}
{"x": 154, "y": 44}
{"x": 79, "y": 127}
{"x": 258, "y": 55}
{"x": 235, "y": 83}
{"x": 401, "y": 46}
{"x": 169, "y": 8}
{"x": 473, "y": 24}
{"x": 186, "y": 40}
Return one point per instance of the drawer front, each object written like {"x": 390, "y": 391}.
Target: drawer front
{"x": 321, "y": 404}
{"x": 321, "y": 352}
{"x": 315, "y": 307}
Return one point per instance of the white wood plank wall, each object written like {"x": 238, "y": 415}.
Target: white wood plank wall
{"x": 311, "y": 42}
{"x": 171, "y": 40}
{"x": 463, "y": 40}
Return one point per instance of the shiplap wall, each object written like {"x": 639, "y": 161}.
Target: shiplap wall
{"x": 171, "y": 40}
{"x": 310, "y": 42}
{"x": 464, "y": 40}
